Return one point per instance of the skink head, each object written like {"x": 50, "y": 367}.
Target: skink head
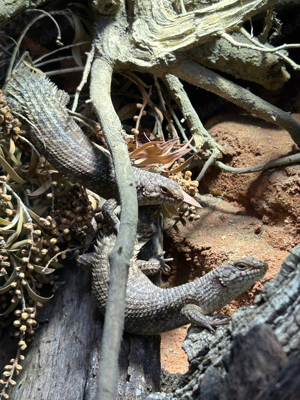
{"x": 239, "y": 275}
{"x": 159, "y": 190}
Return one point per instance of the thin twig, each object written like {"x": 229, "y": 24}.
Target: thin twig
{"x": 64, "y": 71}
{"x": 142, "y": 109}
{"x": 16, "y": 49}
{"x": 53, "y": 60}
{"x": 278, "y": 162}
{"x": 79, "y": 119}
{"x": 64, "y": 252}
{"x": 163, "y": 106}
{"x": 86, "y": 71}
{"x": 28, "y": 217}
{"x": 208, "y": 163}
{"x": 60, "y": 49}
{"x": 274, "y": 163}
{"x": 196, "y": 127}
{"x": 263, "y": 49}
{"x": 76, "y": 114}
{"x": 180, "y": 127}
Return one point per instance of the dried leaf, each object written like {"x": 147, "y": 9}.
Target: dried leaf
{"x": 142, "y": 150}
{"x": 167, "y": 159}
{"x": 43, "y": 270}
{"x": 172, "y": 209}
{"x": 40, "y": 209}
{"x": 8, "y": 227}
{"x": 12, "y": 149}
{"x": 19, "y": 244}
{"x": 36, "y": 297}
{"x": 79, "y": 35}
{"x": 4, "y": 221}
{"x": 33, "y": 68}
{"x": 34, "y": 160}
{"x": 10, "y": 308}
{"x": 8, "y": 232}
{"x": 189, "y": 199}
{"x": 165, "y": 212}
{"x": 34, "y": 215}
{"x": 127, "y": 112}
{"x": 181, "y": 167}
{"x": 17, "y": 232}
{"x": 6, "y": 288}
{"x": 8, "y": 282}
{"x": 42, "y": 189}
{"x": 159, "y": 153}
{"x": 12, "y": 173}
{"x": 56, "y": 264}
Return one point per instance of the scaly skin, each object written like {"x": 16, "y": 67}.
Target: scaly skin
{"x": 151, "y": 310}
{"x": 67, "y": 148}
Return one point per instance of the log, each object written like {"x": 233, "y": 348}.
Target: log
{"x": 257, "y": 356}
{"x": 62, "y": 361}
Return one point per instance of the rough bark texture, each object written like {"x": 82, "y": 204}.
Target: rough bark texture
{"x": 254, "y": 357}
{"x": 62, "y": 361}
{"x": 10, "y": 8}
{"x": 221, "y": 55}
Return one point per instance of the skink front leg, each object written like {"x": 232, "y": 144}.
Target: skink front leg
{"x": 195, "y": 315}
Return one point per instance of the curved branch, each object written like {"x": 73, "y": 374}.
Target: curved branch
{"x": 189, "y": 113}
{"x": 262, "y": 48}
{"x": 273, "y": 163}
{"x": 208, "y": 163}
{"x": 278, "y": 162}
{"x": 119, "y": 257}
{"x": 197, "y": 75}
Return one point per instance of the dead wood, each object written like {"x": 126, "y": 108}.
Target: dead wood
{"x": 254, "y": 357}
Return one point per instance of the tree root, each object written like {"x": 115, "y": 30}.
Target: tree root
{"x": 197, "y": 75}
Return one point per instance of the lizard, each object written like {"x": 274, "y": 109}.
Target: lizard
{"x": 150, "y": 309}
{"x": 62, "y": 142}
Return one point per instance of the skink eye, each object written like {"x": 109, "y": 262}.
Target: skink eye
{"x": 241, "y": 266}
{"x": 165, "y": 191}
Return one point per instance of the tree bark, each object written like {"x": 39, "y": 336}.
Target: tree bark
{"x": 256, "y": 356}
{"x": 62, "y": 361}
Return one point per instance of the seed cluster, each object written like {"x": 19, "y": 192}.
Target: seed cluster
{"x": 10, "y": 125}
{"x": 185, "y": 181}
{"x": 33, "y": 236}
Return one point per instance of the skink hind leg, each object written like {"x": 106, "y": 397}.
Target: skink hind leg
{"x": 149, "y": 267}
{"x": 195, "y": 315}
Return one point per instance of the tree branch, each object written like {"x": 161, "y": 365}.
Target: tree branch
{"x": 197, "y": 75}
{"x": 189, "y": 113}
{"x": 101, "y": 75}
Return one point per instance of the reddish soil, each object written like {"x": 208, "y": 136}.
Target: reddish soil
{"x": 252, "y": 214}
